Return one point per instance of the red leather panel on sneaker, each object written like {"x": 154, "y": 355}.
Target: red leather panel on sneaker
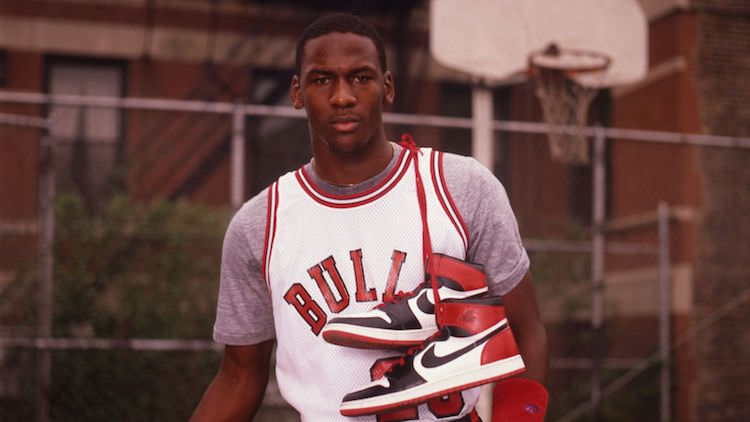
{"x": 462, "y": 272}
{"x": 499, "y": 347}
{"x": 471, "y": 317}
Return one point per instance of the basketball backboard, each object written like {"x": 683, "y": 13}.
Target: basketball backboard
{"x": 493, "y": 38}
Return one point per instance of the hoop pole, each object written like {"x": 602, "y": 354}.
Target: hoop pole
{"x": 237, "y": 182}
{"x": 597, "y": 269}
{"x": 482, "y": 145}
{"x": 482, "y": 149}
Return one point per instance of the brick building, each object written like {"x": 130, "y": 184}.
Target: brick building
{"x": 234, "y": 50}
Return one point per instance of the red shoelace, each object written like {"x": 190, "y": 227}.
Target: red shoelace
{"x": 408, "y": 142}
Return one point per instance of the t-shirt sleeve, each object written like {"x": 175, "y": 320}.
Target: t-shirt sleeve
{"x": 244, "y": 312}
{"x": 494, "y": 239}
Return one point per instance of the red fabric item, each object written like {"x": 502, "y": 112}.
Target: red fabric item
{"x": 519, "y": 400}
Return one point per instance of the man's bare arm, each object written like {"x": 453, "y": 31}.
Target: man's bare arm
{"x": 523, "y": 315}
{"x": 237, "y": 391}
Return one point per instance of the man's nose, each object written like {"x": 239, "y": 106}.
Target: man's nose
{"x": 342, "y": 95}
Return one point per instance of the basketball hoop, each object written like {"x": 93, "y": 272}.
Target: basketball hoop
{"x": 566, "y": 85}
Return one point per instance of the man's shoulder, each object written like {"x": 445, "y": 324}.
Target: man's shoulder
{"x": 459, "y": 168}
{"x": 259, "y": 202}
{"x": 256, "y": 203}
{"x": 251, "y": 217}
{"x": 457, "y": 159}
{"x": 470, "y": 184}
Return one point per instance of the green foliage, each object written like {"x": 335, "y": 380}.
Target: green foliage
{"x": 128, "y": 270}
{"x": 121, "y": 385}
{"x": 136, "y": 270}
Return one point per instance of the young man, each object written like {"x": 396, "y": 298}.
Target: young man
{"x": 344, "y": 233}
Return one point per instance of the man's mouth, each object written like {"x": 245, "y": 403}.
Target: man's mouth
{"x": 344, "y": 123}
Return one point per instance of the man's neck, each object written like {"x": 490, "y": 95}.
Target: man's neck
{"x": 347, "y": 169}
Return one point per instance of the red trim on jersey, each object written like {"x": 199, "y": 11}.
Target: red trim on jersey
{"x": 348, "y": 201}
{"x": 450, "y": 200}
{"x": 445, "y": 200}
{"x": 269, "y": 205}
{"x": 273, "y": 206}
{"x": 433, "y": 173}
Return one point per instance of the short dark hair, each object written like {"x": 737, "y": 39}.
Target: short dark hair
{"x": 344, "y": 23}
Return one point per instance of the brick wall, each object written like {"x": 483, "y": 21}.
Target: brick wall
{"x": 174, "y": 154}
{"x": 19, "y": 163}
{"x": 722, "y": 389}
{"x": 645, "y": 173}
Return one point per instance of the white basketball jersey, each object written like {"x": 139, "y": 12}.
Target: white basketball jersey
{"x": 327, "y": 255}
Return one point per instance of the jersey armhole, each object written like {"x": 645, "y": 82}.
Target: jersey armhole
{"x": 271, "y": 208}
{"x": 446, "y": 201}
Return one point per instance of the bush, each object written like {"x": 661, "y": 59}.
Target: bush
{"x": 129, "y": 270}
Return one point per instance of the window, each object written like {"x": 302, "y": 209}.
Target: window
{"x": 88, "y": 140}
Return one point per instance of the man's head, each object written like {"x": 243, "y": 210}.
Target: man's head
{"x": 343, "y": 23}
{"x": 342, "y": 84}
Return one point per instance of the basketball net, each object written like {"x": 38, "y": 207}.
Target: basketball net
{"x": 565, "y": 101}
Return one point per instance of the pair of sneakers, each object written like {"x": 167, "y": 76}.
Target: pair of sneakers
{"x": 472, "y": 345}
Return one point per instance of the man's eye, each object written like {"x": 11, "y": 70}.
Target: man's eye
{"x": 362, "y": 78}
{"x": 320, "y": 81}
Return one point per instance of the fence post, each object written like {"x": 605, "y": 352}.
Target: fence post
{"x": 237, "y": 182}
{"x": 597, "y": 268}
{"x": 481, "y": 133}
{"x": 665, "y": 302}
{"x": 46, "y": 259}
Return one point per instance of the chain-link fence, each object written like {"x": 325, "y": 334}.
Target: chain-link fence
{"x": 126, "y": 270}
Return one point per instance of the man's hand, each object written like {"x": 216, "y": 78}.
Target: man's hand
{"x": 519, "y": 399}
{"x": 523, "y": 315}
{"x": 237, "y": 391}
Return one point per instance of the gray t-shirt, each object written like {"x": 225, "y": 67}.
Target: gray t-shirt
{"x": 244, "y": 314}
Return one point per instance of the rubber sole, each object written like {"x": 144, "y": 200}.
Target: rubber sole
{"x": 419, "y": 394}
{"x": 370, "y": 338}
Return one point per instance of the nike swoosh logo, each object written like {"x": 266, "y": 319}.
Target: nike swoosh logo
{"x": 430, "y": 360}
{"x": 424, "y": 304}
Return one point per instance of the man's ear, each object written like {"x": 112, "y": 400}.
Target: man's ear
{"x": 295, "y": 93}
{"x": 390, "y": 89}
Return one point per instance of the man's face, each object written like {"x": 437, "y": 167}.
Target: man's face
{"x": 343, "y": 90}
